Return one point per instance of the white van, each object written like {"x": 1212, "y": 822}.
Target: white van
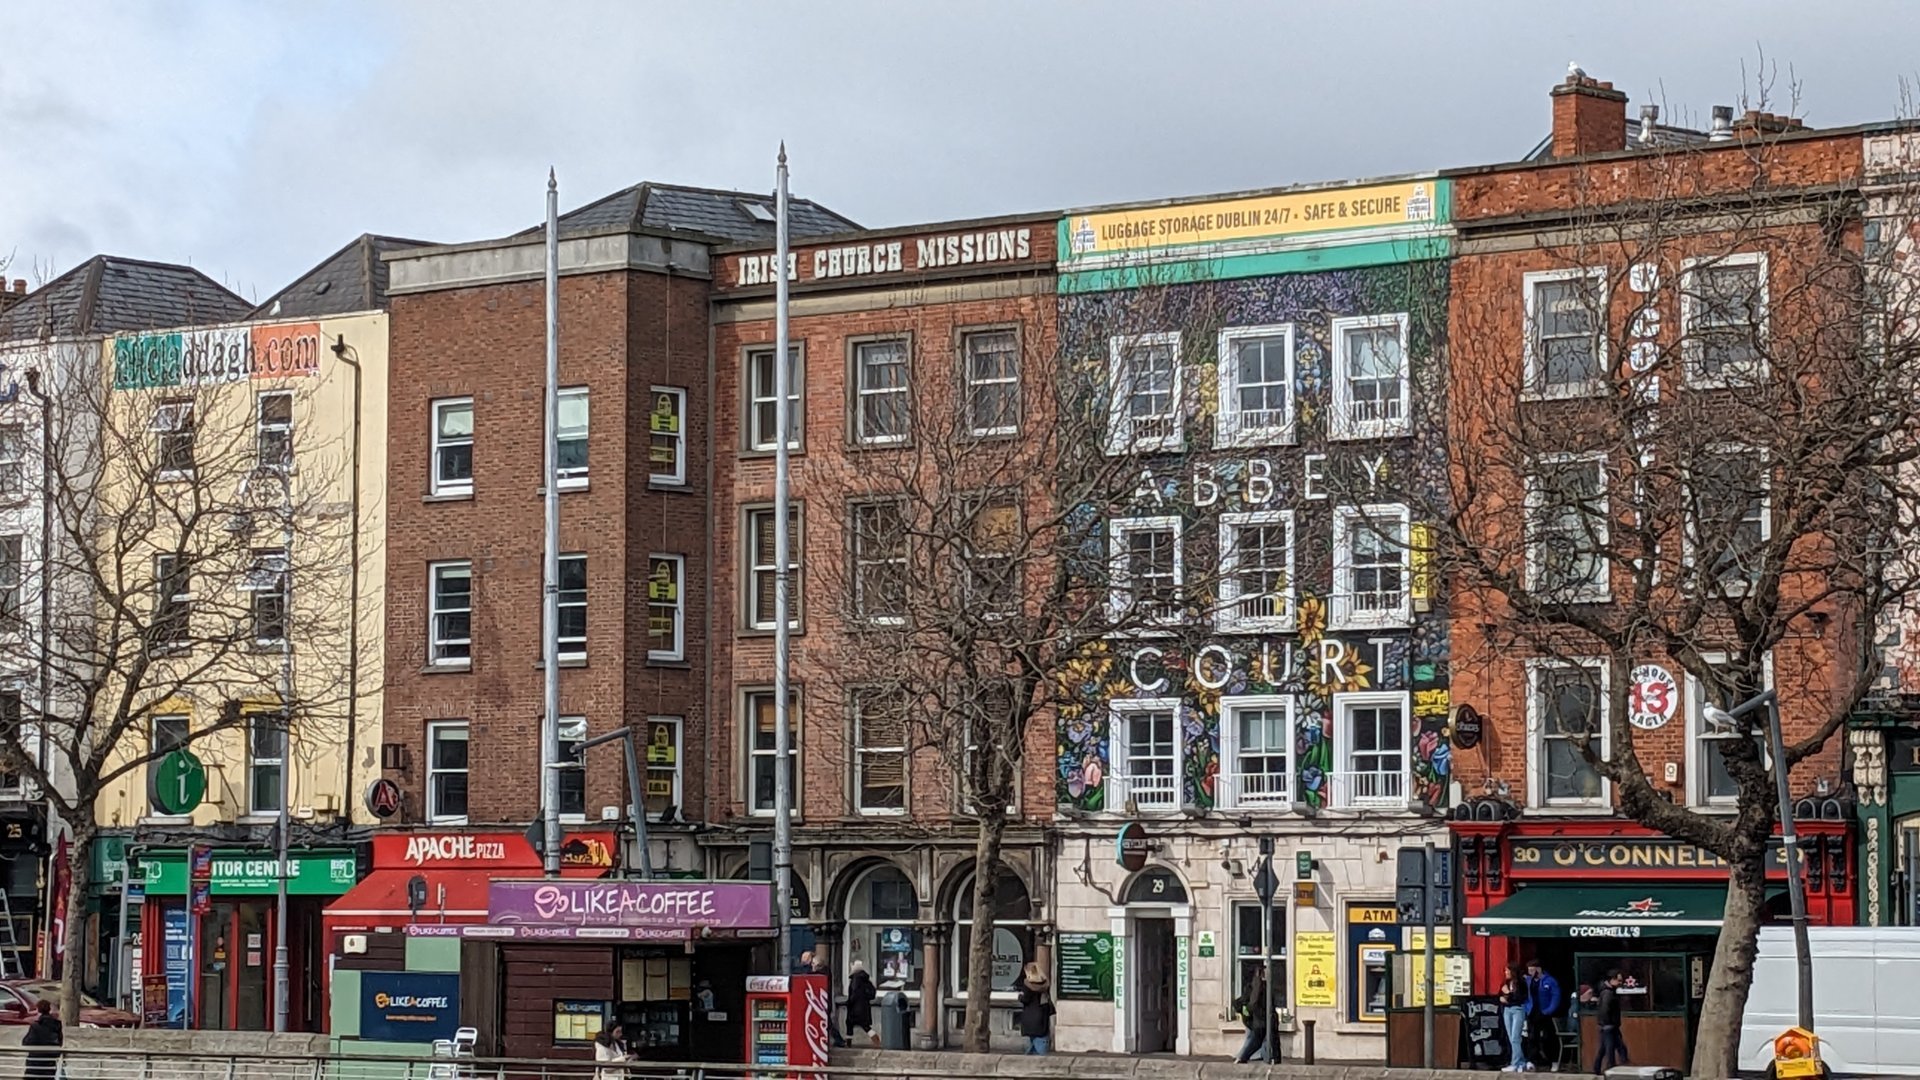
{"x": 1866, "y": 998}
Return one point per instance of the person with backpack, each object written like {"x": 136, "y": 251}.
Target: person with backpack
{"x": 1252, "y": 1007}
{"x": 44, "y": 1031}
{"x": 1036, "y": 1010}
{"x": 860, "y": 995}
{"x": 1613, "y": 1048}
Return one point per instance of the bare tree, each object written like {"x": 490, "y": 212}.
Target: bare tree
{"x": 190, "y": 559}
{"x": 978, "y": 565}
{"x": 1689, "y": 442}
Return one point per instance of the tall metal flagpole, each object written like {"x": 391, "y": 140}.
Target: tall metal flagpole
{"x": 782, "y": 558}
{"x": 550, "y": 564}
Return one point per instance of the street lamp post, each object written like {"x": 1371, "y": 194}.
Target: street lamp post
{"x": 1796, "y": 888}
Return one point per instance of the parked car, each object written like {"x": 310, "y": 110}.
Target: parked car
{"x": 1864, "y": 1007}
{"x": 20, "y": 999}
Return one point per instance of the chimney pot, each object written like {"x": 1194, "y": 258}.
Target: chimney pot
{"x": 1589, "y": 117}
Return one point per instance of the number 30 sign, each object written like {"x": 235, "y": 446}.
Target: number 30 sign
{"x": 1653, "y": 698}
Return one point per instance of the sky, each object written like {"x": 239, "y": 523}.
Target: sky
{"x": 251, "y": 139}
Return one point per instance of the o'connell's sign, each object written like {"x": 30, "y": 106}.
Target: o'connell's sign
{"x": 1650, "y": 856}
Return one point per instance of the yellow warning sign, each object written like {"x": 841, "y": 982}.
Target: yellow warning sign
{"x": 1316, "y": 960}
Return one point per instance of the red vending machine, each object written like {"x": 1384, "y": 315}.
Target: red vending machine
{"x": 787, "y": 1019}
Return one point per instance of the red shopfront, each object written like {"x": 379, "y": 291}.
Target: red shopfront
{"x": 1585, "y": 897}
{"x": 453, "y": 870}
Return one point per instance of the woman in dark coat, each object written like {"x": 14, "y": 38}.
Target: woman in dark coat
{"x": 860, "y": 994}
{"x": 44, "y": 1031}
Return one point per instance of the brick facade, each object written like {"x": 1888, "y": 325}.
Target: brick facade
{"x": 622, "y": 334}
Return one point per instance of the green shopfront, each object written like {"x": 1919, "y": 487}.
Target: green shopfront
{"x": 209, "y": 936}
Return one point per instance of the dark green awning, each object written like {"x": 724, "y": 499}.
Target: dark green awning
{"x": 1606, "y": 911}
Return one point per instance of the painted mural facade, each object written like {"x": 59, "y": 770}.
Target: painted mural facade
{"x": 1300, "y": 336}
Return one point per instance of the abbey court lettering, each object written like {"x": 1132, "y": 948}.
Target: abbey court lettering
{"x": 979, "y": 247}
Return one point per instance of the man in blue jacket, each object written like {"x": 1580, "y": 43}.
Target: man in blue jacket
{"x": 1544, "y": 1002}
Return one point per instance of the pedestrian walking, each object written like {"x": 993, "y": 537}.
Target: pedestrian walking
{"x": 1036, "y": 1010}
{"x": 860, "y": 995}
{"x": 1606, "y": 1014}
{"x": 43, "y": 1032}
{"x": 1513, "y": 1017}
{"x": 1253, "y": 1011}
{"x": 1544, "y": 1002}
{"x": 610, "y": 1054}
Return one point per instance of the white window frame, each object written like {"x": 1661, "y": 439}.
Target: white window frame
{"x": 861, "y": 752}
{"x": 255, "y": 763}
{"x": 576, "y": 477}
{"x": 13, "y": 462}
{"x": 1690, "y": 536}
{"x": 794, "y": 718}
{"x": 571, "y": 649}
{"x": 1340, "y": 422}
{"x": 13, "y": 574}
{"x": 795, "y": 574}
{"x": 679, "y": 765}
{"x": 973, "y": 383}
{"x": 164, "y": 567}
{"x": 170, "y": 416}
{"x": 435, "y": 485}
{"x": 1343, "y": 749}
{"x": 1698, "y": 732}
{"x": 865, "y": 561}
{"x": 269, "y": 572}
{"x": 13, "y": 701}
{"x": 1120, "y": 436}
{"x": 1120, "y": 593}
{"x": 679, "y": 650}
{"x": 1689, "y": 302}
{"x": 677, "y": 477}
{"x": 1229, "y": 620}
{"x": 755, "y": 398}
{"x": 1119, "y": 711}
{"x": 969, "y": 747}
{"x": 1230, "y": 707}
{"x": 859, "y": 349}
{"x": 1536, "y": 388}
{"x": 574, "y": 766}
{"x": 1236, "y": 960}
{"x": 1537, "y": 800}
{"x": 434, "y": 640}
{"x": 155, "y": 721}
{"x": 262, "y": 428}
{"x": 434, "y": 728}
{"x": 1592, "y": 592}
{"x": 1228, "y": 430}
{"x": 1340, "y": 610}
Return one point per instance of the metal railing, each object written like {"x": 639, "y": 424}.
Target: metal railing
{"x": 142, "y": 1064}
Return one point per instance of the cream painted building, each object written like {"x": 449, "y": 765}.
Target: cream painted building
{"x": 269, "y": 438}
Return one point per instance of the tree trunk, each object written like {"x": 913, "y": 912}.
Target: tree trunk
{"x": 73, "y": 968}
{"x": 1716, "y": 1049}
{"x": 986, "y": 881}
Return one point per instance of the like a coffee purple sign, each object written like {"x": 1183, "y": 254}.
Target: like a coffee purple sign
{"x": 683, "y": 904}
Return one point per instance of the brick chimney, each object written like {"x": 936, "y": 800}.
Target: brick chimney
{"x": 1589, "y": 117}
{"x": 12, "y": 293}
{"x": 1756, "y": 122}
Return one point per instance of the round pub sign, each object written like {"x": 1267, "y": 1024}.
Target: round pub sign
{"x": 1132, "y": 847}
{"x": 177, "y": 782}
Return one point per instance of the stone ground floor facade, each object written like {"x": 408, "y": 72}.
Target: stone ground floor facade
{"x": 1151, "y": 961}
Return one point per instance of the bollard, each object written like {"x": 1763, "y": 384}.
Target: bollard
{"x": 1307, "y": 1050}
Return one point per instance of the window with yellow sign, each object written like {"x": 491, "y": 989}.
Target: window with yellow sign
{"x": 662, "y": 764}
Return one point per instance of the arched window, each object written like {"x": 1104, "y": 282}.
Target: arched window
{"x": 881, "y": 910}
{"x": 1012, "y": 933}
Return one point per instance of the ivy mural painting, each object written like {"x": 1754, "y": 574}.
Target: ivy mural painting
{"x": 1312, "y": 409}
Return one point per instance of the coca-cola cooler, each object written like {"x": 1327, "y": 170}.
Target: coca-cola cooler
{"x": 787, "y": 1019}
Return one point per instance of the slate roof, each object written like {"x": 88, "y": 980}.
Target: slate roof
{"x": 108, "y": 294}
{"x": 351, "y": 279}
{"x": 725, "y": 215}
{"x": 1663, "y": 135}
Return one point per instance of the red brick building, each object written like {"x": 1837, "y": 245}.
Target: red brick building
{"x": 884, "y": 326}
{"x": 1627, "y": 310}
{"x": 463, "y": 598}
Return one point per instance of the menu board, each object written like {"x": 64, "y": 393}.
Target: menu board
{"x": 1086, "y": 965}
{"x": 1483, "y": 1039}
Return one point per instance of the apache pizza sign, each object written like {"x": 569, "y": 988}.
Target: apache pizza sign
{"x": 502, "y": 851}
{"x": 892, "y": 255}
